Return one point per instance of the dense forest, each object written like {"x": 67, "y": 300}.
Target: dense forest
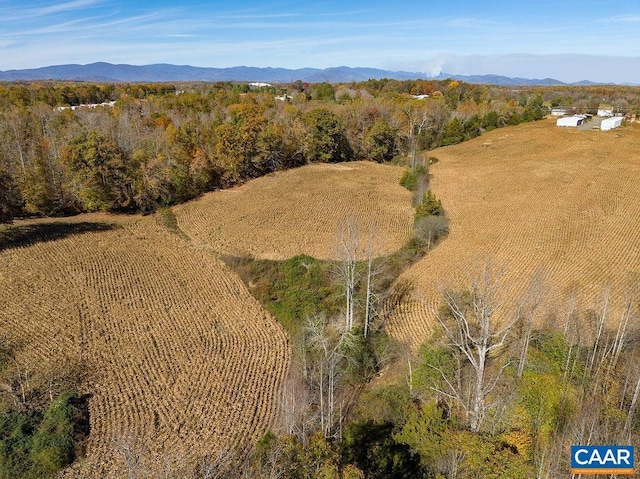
{"x": 71, "y": 148}
{"x": 75, "y": 147}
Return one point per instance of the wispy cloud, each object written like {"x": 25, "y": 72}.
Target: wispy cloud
{"x": 469, "y": 22}
{"x": 623, "y": 19}
{"x": 67, "y": 6}
{"x": 21, "y": 12}
{"x": 96, "y": 24}
{"x": 254, "y": 16}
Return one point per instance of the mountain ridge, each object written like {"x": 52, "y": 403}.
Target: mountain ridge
{"x": 165, "y": 72}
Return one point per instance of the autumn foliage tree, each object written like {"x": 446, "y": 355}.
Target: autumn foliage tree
{"x": 99, "y": 171}
{"x": 155, "y": 147}
{"x": 326, "y": 141}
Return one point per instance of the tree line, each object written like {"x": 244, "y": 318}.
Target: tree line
{"x": 164, "y": 144}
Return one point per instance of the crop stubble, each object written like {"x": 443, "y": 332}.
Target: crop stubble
{"x": 533, "y": 198}
{"x": 302, "y": 211}
{"x": 186, "y": 361}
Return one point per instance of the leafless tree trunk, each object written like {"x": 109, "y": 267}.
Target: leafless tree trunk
{"x": 132, "y": 451}
{"x": 620, "y": 339}
{"x": 347, "y": 268}
{"x": 632, "y": 410}
{"x": 602, "y": 317}
{"x": 330, "y": 345}
{"x": 417, "y": 116}
{"x": 372, "y": 298}
{"x": 410, "y": 378}
{"x": 473, "y": 331}
{"x": 219, "y": 465}
{"x": 297, "y": 417}
{"x": 368, "y": 312}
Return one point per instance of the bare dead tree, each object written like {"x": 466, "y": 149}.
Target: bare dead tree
{"x": 628, "y": 313}
{"x": 632, "y": 411}
{"x": 348, "y": 250}
{"x": 418, "y": 118}
{"x": 219, "y": 465}
{"x": 132, "y": 452}
{"x": 330, "y": 345}
{"x": 471, "y": 325}
{"x": 298, "y": 416}
{"x": 373, "y": 271}
{"x": 450, "y": 463}
{"x": 600, "y": 321}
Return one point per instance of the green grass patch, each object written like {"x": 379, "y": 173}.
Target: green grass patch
{"x": 169, "y": 220}
{"x": 291, "y": 290}
{"x": 38, "y": 445}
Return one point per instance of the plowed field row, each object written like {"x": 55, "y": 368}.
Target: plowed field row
{"x": 528, "y": 198}
{"x": 302, "y": 211}
{"x": 187, "y": 361}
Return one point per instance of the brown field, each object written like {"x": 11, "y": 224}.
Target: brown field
{"x": 527, "y": 198}
{"x": 185, "y": 361}
{"x": 302, "y": 210}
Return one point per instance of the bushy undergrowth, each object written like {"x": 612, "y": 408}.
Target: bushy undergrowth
{"x": 411, "y": 179}
{"x": 291, "y": 290}
{"x": 38, "y": 445}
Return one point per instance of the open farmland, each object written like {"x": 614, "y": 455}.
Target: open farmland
{"x": 533, "y": 198}
{"x": 184, "y": 362}
{"x": 302, "y": 211}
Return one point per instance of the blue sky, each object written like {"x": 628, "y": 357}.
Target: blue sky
{"x": 568, "y": 40}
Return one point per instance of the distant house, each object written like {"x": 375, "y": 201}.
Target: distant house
{"x": 558, "y": 111}
{"x": 611, "y": 123}
{"x": 259, "y": 85}
{"x": 573, "y": 121}
{"x": 106, "y": 104}
{"x": 420, "y": 97}
{"x": 605, "y": 110}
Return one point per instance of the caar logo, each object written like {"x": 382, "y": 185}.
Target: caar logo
{"x": 602, "y": 460}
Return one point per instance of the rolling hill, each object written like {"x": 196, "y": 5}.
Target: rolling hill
{"x": 256, "y": 219}
{"x": 185, "y": 364}
{"x": 107, "y": 72}
{"x": 534, "y": 200}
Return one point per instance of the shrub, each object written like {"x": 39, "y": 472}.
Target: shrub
{"x": 428, "y": 206}
{"x": 35, "y": 445}
{"x": 412, "y": 178}
{"x": 427, "y": 231}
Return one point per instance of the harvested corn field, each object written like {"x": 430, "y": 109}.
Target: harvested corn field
{"x": 534, "y": 200}
{"x": 184, "y": 362}
{"x": 302, "y": 210}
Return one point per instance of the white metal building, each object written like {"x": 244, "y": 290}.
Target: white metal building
{"x": 575, "y": 120}
{"x": 611, "y": 123}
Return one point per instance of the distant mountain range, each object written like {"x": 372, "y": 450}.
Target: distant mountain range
{"x": 108, "y": 72}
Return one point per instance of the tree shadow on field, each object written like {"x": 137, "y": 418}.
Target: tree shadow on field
{"x": 12, "y": 236}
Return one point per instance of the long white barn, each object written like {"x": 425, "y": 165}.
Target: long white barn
{"x": 575, "y": 120}
{"x": 611, "y": 123}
